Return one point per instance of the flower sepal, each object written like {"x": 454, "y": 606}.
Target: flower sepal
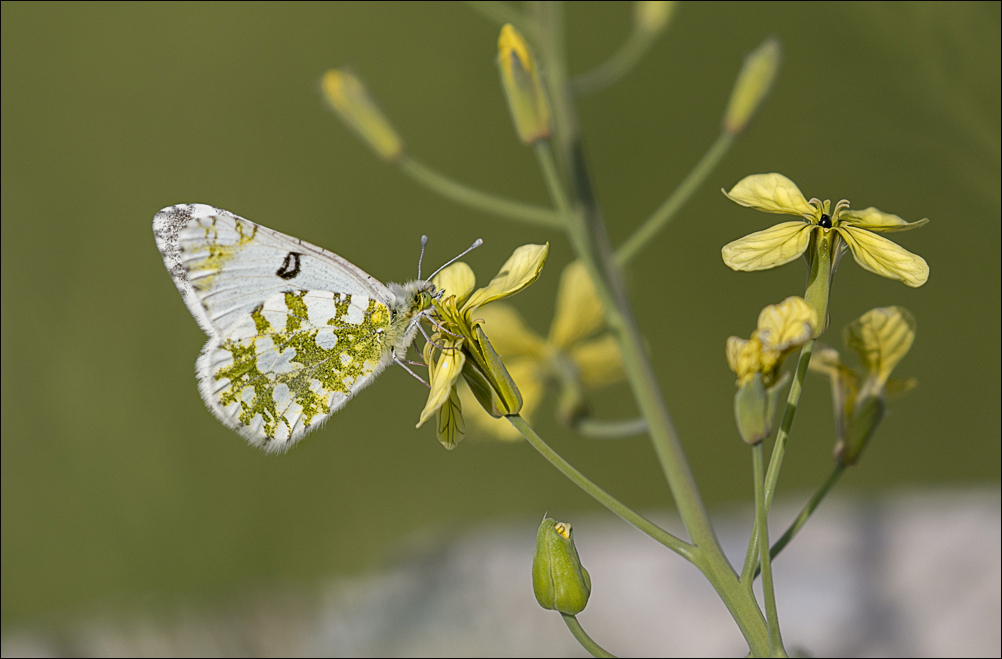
{"x": 755, "y": 408}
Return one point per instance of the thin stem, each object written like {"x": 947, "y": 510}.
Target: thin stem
{"x": 552, "y": 176}
{"x": 771, "y": 615}
{"x": 677, "y": 545}
{"x": 579, "y": 633}
{"x": 778, "y": 451}
{"x": 605, "y": 429}
{"x": 587, "y": 233}
{"x": 479, "y": 199}
{"x": 666, "y": 211}
{"x": 618, "y": 65}
{"x": 805, "y": 514}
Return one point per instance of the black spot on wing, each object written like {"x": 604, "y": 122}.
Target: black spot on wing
{"x": 290, "y": 266}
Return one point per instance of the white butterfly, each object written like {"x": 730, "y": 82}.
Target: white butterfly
{"x": 294, "y": 330}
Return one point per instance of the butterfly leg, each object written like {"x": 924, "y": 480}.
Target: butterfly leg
{"x": 404, "y": 366}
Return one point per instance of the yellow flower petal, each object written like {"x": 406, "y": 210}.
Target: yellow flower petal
{"x": 352, "y": 102}
{"x": 508, "y": 333}
{"x": 772, "y": 193}
{"x": 767, "y": 249}
{"x": 787, "y": 325}
{"x": 744, "y": 357}
{"x": 521, "y": 269}
{"x": 881, "y": 337}
{"x": 457, "y": 279}
{"x": 525, "y": 374}
{"x": 443, "y": 375}
{"x": 872, "y": 219}
{"x": 598, "y": 361}
{"x": 885, "y": 258}
{"x": 579, "y": 312}
{"x": 449, "y": 425}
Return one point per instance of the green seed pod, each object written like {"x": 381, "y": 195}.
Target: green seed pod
{"x": 559, "y": 580}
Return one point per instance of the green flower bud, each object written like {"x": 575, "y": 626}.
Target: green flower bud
{"x": 860, "y": 428}
{"x": 752, "y": 86}
{"x": 755, "y": 407}
{"x": 559, "y": 580}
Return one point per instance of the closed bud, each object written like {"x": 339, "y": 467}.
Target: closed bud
{"x": 859, "y": 429}
{"x": 755, "y": 407}
{"x": 349, "y": 98}
{"x": 652, "y": 15}
{"x": 530, "y": 111}
{"x": 559, "y": 580}
{"x": 752, "y": 86}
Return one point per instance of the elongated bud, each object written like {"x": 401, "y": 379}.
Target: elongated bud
{"x": 752, "y": 85}
{"x": 859, "y": 430}
{"x": 349, "y": 98}
{"x": 530, "y": 111}
{"x": 652, "y": 15}
{"x": 559, "y": 580}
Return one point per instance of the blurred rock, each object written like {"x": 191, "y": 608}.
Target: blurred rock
{"x": 914, "y": 574}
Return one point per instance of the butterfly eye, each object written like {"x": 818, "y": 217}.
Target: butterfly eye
{"x": 825, "y": 221}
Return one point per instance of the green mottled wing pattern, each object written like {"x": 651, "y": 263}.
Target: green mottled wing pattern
{"x": 284, "y": 368}
{"x": 294, "y": 330}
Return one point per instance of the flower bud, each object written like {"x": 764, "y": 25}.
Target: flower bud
{"x": 652, "y": 15}
{"x": 859, "y": 429}
{"x": 755, "y": 407}
{"x": 352, "y": 102}
{"x": 752, "y": 86}
{"x": 530, "y": 111}
{"x": 559, "y": 580}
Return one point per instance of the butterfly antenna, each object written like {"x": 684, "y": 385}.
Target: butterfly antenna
{"x": 424, "y": 242}
{"x": 476, "y": 243}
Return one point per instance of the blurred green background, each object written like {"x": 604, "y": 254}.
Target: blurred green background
{"x": 121, "y": 490}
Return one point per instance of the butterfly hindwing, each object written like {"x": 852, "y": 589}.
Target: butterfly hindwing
{"x": 290, "y": 363}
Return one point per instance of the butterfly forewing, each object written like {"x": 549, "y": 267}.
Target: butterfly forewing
{"x": 225, "y": 266}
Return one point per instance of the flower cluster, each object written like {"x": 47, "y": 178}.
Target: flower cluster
{"x": 782, "y": 328}
{"x": 574, "y": 354}
{"x": 460, "y": 347}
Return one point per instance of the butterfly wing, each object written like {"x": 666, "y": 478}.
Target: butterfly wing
{"x": 224, "y": 266}
{"x": 290, "y": 363}
{"x": 294, "y": 330}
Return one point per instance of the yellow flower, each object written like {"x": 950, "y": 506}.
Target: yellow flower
{"x": 782, "y": 328}
{"x": 349, "y": 98}
{"x": 530, "y": 111}
{"x": 460, "y": 347}
{"x": 774, "y": 193}
{"x": 573, "y": 355}
{"x": 880, "y": 338}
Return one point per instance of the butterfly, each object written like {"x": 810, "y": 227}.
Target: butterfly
{"x": 294, "y": 330}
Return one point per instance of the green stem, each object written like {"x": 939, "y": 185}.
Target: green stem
{"x": 582, "y": 637}
{"x": 618, "y": 65}
{"x": 771, "y": 615}
{"x": 666, "y": 211}
{"x": 677, "y": 545}
{"x": 604, "y": 429}
{"x": 776, "y": 460}
{"x": 478, "y": 199}
{"x": 552, "y": 176}
{"x": 587, "y": 233}
{"x": 805, "y": 514}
